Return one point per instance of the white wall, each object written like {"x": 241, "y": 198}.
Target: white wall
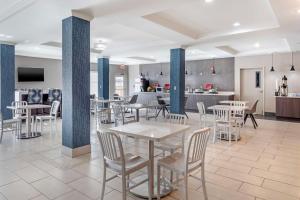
{"x": 52, "y": 72}
{"x": 133, "y": 73}
{"x": 282, "y": 64}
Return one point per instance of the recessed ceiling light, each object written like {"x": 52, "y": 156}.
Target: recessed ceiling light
{"x": 37, "y": 48}
{"x": 256, "y": 45}
{"x": 208, "y": 1}
{"x": 236, "y": 24}
{"x": 2, "y": 35}
{"x": 8, "y": 36}
{"x": 298, "y": 11}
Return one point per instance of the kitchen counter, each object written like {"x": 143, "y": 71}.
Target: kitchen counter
{"x": 288, "y": 106}
{"x": 292, "y": 97}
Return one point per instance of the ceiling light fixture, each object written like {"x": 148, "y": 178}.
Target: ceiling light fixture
{"x": 272, "y": 68}
{"x": 2, "y": 35}
{"x": 292, "y": 67}
{"x": 208, "y": 1}
{"x": 257, "y": 45}
{"x": 298, "y": 11}
{"x": 236, "y": 24}
{"x": 100, "y": 46}
{"x": 161, "y": 73}
{"x": 8, "y": 36}
{"x": 213, "y": 70}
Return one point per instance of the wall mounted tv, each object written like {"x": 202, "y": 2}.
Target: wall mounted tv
{"x": 26, "y": 74}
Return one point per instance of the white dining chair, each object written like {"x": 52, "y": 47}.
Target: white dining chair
{"x": 20, "y": 114}
{"x": 238, "y": 114}
{"x": 224, "y": 124}
{"x": 202, "y": 114}
{"x": 9, "y": 125}
{"x": 191, "y": 160}
{"x": 120, "y": 115}
{"x": 123, "y": 164}
{"x": 51, "y": 117}
{"x": 152, "y": 110}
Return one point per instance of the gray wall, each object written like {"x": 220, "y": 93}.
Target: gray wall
{"x": 53, "y": 73}
{"x": 199, "y": 72}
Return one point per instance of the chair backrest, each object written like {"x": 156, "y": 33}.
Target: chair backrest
{"x": 35, "y": 96}
{"x": 201, "y": 108}
{"x": 185, "y": 100}
{"x": 118, "y": 111}
{"x": 17, "y": 104}
{"x": 197, "y": 146}
{"x": 222, "y": 114}
{"x": 54, "y": 108}
{"x": 253, "y": 108}
{"x": 116, "y": 97}
{"x": 92, "y": 104}
{"x": 238, "y": 103}
{"x": 111, "y": 147}
{"x": 238, "y": 108}
{"x": 133, "y": 99}
{"x": 176, "y": 118}
{"x": 54, "y": 95}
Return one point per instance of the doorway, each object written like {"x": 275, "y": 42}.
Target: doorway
{"x": 252, "y": 87}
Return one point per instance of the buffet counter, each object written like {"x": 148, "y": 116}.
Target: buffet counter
{"x": 288, "y": 106}
{"x": 207, "y": 98}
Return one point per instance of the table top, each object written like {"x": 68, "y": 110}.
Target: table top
{"x": 30, "y": 106}
{"x": 137, "y": 106}
{"x": 230, "y": 101}
{"x": 165, "y": 98}
{"x": 226, "y": 107}
{"x": 107, "y": 100}
{"x": 155, "y": 131}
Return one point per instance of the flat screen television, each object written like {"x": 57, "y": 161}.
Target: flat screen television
{"x": 26, "y": 74}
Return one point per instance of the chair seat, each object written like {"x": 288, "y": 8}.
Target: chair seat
{"x": 42, "y": 117}
{"x": 11, "y": 121}
{"x": 176, "y": 162}
{"x": 168, "y": 146}
{"x": 132, "y": 162}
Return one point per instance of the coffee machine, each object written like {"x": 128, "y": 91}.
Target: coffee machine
{"x": 284, "y": 87}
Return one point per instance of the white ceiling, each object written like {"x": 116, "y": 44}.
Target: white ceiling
{"x": 143, "y": 31}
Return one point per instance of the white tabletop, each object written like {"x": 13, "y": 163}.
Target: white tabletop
{"x": 30, "y": 106}
{"x": 155, "y": 131}
{"x": 107, "y": 100}
{"x": 165, "y": 98}
{"x": 137, "y": 106}
{"x": 226, "y": 107}
{"x": 230, "y": 102}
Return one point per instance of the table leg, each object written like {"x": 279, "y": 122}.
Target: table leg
{"x": 137, "y": 115}
{"x": 151, "y": 158}
{"x": 28, "y": 123}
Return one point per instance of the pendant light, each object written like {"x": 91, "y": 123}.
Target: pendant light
{"x": 161, "y": 73}
{"x": 213, "y": 70}
{"x": 186, "y": 72}
{"x": 272, "y": 68}
{"x": 292, "y": 67}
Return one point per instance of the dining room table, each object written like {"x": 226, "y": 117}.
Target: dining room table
{"x": 106, "y": 103}
{"x": 30, "y": 120}
{"x": 229, "y": 102}
{"x": 152, "y": 132}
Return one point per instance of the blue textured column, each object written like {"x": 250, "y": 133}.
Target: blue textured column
{"x": 7, "y": 76}
{"x": 177, "y": 80}
{"x": 76, "y": 86}
{"x": 103, "y": 78}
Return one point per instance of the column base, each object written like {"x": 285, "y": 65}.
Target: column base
{"x": 67, "y": 151}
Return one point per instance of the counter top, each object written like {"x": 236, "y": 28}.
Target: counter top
{"x": 292, "y": 97}
{"x": 220, "y": 93}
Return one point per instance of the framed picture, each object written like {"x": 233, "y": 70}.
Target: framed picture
{"x": 258, "y": 79}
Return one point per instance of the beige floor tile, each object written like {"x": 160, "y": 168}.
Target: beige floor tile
{"x": 2, "y": 197}
{"x": 254, "y": 164}
{"x": 19, "y": 190}
{"x": 65, "y": 176}
{"x": 276, "y": 177}
{"x": 89, "y": 187}
{"x": 7, "y": 177}
{"x": 43, "y": 165}
{"x": 41, "y": 197}
{"x": 265, "y": 193}
{"x": 31, "y": 174}
{"x": 240, "y": 176}
{"x": 282, "y": 187}
{"x": 14, "y": 164}
{"x": 116, "y": 195}
{"x": 222, "y": 181}
{"x": 51, "y": 187}
{"x": 74, "y": 195}
{"x": 89, "y": 170}
{"x": 231, "y": 166}
{"x": 290, "y": 171}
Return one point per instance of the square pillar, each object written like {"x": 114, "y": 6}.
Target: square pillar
{"x": 76, "y": 86}
{"x": 103, "y": 77}
{"x": 177, "y": 80}
{"x": 7, "y": 78}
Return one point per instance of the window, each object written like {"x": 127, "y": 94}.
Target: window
{"x": 119, "y": 85}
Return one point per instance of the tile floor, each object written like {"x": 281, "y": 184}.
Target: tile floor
{"x": 265, "y": 164}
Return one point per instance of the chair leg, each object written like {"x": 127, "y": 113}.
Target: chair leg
{"x": 103, "y": 183}
{"x": 252, "y": 119}
{"x": 186, "y": 186}
{"x": 41, "y": 124}
{"x": 124, "y": 188}
{"x": 245, "y": 118}
{"x": 215, "y": 135}
{"x": 149, "y": 186}
{"x": 1, "y": 136}
{"x": 203, "y": 182}
{"x": 158, "y": 182}
{"x": 186, "y": 115}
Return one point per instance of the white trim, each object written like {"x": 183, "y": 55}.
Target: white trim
{"x": 77, "y": 13}
{"x": 77, "y": 151}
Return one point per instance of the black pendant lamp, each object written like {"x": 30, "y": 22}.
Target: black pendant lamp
{"x": 292, "y": 67}
{"x": 272, "y": 68}
{"x": 213, "y": 70}
{"x": 161, "y": 73}
{"x": 186, "y": 72}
